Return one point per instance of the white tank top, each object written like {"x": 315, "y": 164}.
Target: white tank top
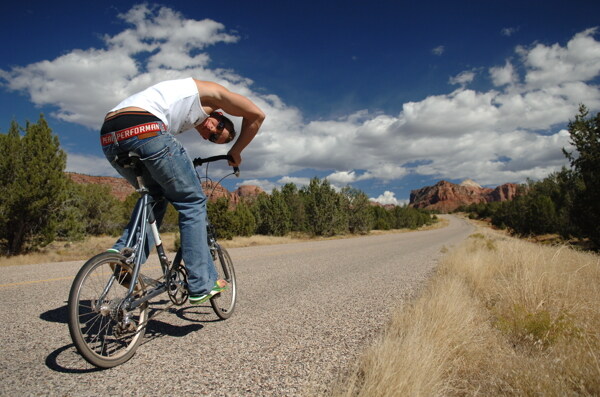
{"x": 175, "y": 102}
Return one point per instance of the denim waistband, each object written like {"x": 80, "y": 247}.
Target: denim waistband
{"x": 141, "y": 131}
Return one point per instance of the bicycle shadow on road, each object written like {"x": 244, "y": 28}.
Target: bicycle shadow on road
{"x": 58, "y": 315}
{"x": 158, "y": 329}
{"x": 198, "y": 314}
{"x": 65, "y": 359}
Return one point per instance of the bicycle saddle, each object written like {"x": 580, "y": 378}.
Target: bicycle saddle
{"x": 127, "y": 159}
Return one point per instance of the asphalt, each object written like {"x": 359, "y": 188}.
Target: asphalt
{"x": 305, "y": 313}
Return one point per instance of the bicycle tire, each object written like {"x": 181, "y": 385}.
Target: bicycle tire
{"x": 97, "y": 328}
{"x": 224, "y": 302}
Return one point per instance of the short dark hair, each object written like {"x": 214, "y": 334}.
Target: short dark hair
{"x": 228, "y": 124}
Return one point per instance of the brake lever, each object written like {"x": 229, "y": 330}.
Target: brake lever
{"x": 236, "y": 169}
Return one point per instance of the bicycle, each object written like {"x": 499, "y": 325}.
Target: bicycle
{"x": 109, "y": 298}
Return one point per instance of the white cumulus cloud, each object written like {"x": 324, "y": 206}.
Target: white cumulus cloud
{"x": 463, "y": 78}
{"x": 502, "y": 75}
{"x": 387, "y": 198}
{"x": 552, "y": 65}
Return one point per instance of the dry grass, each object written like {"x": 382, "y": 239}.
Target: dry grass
{"x": 62, "y": 251}
{"x": 500, "y": 317}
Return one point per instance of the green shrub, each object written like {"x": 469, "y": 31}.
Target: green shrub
{"x": 539, "y": 329}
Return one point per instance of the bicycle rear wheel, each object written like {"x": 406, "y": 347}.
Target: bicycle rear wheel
{"x": 224, "y": 302}
{"x": 103, "y": 333}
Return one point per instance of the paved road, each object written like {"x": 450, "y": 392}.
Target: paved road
{"x": 304, "y": 313}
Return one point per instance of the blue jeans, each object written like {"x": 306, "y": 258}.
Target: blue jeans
{"x": 169, "y": 173}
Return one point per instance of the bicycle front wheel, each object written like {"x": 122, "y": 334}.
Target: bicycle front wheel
{"x": 103, "y": 332}
{"x": 224, "y": 302}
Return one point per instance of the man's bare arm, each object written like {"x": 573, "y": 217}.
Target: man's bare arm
{"x": 215, "y": 96}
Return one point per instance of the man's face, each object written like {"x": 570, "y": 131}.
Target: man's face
{"x": 213, "y": 130}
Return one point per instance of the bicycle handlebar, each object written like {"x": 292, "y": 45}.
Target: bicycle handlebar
{"x": 198, "y": 161}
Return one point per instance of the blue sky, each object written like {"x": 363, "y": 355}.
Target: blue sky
{"x": 387, "y": 96}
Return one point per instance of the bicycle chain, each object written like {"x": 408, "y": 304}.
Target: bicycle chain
{"x": 169, "y": 306}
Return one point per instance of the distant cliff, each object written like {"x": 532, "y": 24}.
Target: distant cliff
{"x": 446, "y": 196}
{"x": 120, "y": 188}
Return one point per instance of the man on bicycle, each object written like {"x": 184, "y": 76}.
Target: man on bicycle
{"x": 145, "y": 123}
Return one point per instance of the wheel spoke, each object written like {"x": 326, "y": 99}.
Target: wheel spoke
{"x": 96, "y": 319}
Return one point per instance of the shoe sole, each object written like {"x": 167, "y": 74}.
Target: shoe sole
{"x": 212, "y": 294}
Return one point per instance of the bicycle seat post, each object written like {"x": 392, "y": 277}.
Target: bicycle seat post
{"x": 133, "y": 160}
{"x": 140, "y": 180}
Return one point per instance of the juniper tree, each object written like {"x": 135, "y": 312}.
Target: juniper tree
{"x": 295, "y": 205}
{"x": 324, "y": 209}
{"x": 272, "y": 214}
{"x": 358, "y": 208}
{"x": 585, "y": 137}
{"x": 243, "y": 221}
{"x": 33, "y": 186}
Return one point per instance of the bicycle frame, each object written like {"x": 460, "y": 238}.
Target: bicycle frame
{"x": 142, "y": 220}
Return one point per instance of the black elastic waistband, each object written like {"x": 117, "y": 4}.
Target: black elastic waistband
{"x": 124, "y": 120}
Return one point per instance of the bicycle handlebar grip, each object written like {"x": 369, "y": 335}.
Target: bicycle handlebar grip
{"x": 198, "y": 161}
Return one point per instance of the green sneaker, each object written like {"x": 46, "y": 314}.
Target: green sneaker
{"x": 220, "y": 286}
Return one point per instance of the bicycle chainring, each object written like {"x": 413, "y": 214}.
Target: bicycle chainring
{"x": 177, "y": 285}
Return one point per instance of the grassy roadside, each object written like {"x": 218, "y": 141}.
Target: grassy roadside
{"x": 62, "y": 251}
{"x": 500, "y": 317}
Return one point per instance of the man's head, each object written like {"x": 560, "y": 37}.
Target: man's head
{"x": 217, "y": 128}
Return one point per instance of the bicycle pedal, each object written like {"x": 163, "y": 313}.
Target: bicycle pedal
{"x": 127, "y": 252}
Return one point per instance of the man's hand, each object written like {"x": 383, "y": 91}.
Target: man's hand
{"x": 237, "y": 158}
